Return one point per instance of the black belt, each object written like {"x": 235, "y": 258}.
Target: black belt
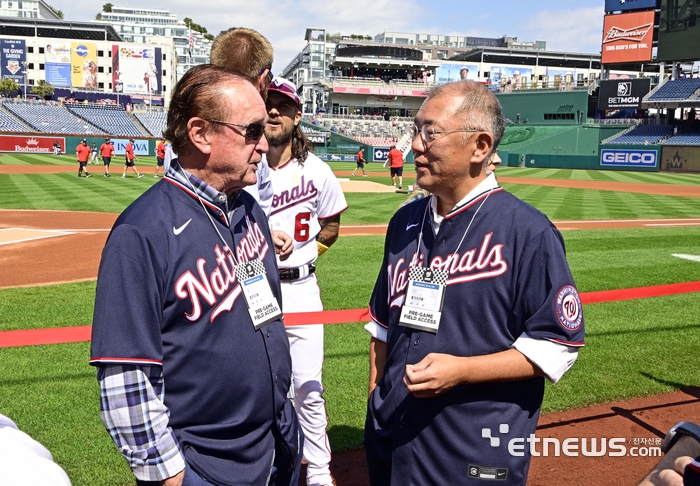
{"x": 287, "y": 274}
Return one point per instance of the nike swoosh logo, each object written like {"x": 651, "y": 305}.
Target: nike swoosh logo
{"x": 179, "y": 230}
{"x": 411, "y": 226}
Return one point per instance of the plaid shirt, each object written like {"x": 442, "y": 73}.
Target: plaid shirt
{"x": 131, "y": 396}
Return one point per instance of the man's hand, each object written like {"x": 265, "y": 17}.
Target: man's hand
{"x": 669, "y": 477}
{"x": 283, "y": 244}
{"x": 433, "y": 375}
{"x": 175, "y": 480}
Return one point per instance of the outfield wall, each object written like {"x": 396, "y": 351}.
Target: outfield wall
{"x": 680, "y": 159}
{"x": 639, "y": 158}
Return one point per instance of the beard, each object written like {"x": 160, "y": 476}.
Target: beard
{"x": 282, "y": 137}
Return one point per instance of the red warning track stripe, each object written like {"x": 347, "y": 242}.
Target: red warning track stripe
{"x": 62, "y": 335}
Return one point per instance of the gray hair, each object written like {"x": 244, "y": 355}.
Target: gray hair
{"x": 476, "y": 107}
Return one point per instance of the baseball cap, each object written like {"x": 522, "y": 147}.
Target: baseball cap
{"x": 107, "y": 139}
{"x": 131, "y": 140}
{"x": 285, "y": 87}
{"x": 84, "y": 140}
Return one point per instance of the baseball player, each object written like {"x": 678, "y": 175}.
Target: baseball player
{"x": 130, "y": 158}
{"x": 307, "y": 203}
{"x": 106, "y": 153}
{"x": 82, "y": 151}
{"x": 160, "y": 156}
{"x": 473, "y": 306}
{"x": 360, "y": 162}
{"x": 93, "y": 153}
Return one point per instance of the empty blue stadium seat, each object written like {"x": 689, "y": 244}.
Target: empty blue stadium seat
{"x": 49, "y": 117}
{"x": 153, "y": 121}
{"x": 110, "y": 119}
{"x": 676, "y": 89}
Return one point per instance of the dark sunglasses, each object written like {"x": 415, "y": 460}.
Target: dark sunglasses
{"x": 252, "y": 132}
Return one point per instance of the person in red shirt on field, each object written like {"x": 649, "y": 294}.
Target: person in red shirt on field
{"x": 360, "y": 162}
{"x": 106, "y": 152}
{"x": 396, "y": 159}
{"x": 160, "y": 156}
{"x": 130, "y": 157}
{"x": 82, "y": 151}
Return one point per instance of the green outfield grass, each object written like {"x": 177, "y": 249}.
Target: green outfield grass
{"x": 634, "y": 348}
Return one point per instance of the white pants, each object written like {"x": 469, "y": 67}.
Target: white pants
{"x": 306, "y": 344}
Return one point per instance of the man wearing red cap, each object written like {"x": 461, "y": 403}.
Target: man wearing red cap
{"x": 307, "y": 202}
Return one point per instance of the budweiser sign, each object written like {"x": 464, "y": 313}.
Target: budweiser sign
{"x": 635, "y": 34}
{"x": 627, "y": 37}
{"x": 29, "y": 144}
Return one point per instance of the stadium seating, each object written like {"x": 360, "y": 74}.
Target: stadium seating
{"x": 9, "y": 124}
{"x": 377, "y": 141}
{"x": 363, "y": 127}
{"x": 49, "y": 117}
{"x": 677, "y": 89}
{"x": 689, "y": 136}
{"x": 110, "y": 119}
{"x": 644, "y": 134}
{"x": 153, "y": 121}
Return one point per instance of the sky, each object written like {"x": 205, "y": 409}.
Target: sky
{"x": 566, "y": 25}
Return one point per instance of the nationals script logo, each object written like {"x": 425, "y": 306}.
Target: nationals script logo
{"x": 299, "y": 193}
{"x": 475, "y": 264}
{"x": 635, "y": 34}
{"x": 211, "y": 287}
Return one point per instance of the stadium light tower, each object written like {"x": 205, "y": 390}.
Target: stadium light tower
{"x": 24, "y": 64}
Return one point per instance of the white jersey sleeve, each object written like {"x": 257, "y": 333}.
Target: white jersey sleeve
{"x": 303, "y": 193}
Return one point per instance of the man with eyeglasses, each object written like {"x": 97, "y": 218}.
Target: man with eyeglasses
{"x": 473, "y": 307}
{"x": 192, "y": 355}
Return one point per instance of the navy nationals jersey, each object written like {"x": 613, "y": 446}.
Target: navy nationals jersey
{"x": 508, "y": 277}
{"x": 180, "y": 306}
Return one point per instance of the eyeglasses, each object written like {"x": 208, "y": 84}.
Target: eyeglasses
{"x": 428, "y": 133}
{"x": 270, "y": 76}
{"x": 252, "y": 132}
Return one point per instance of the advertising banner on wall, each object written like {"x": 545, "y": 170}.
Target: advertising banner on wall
{"x": 455, "y": 71}
{"x": 29, "y": 144}
{"x": 508, "y": 75}
{"x": 140, "y": 146}
{"x": 381, "y": 91}
{"x": 13, "y": 52}
{"x": 680, "y": 159}
{"x": 57, "y": 63}
{"x": 136, "y": 70}
{"x": 84, "y": 65}
{"x": 679, "y": 31}
{"x": 628, "y": 158}
{"x": 626, "y": 5}
{"x": 623, "y": 93}
{"x": 627, "y": 37}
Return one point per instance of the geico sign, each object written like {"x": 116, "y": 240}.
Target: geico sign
{"x": 628, "y": 157}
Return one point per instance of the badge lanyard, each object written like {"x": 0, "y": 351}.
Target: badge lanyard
{"x": 262, "y": 304}
{"x": 425, "y": 294}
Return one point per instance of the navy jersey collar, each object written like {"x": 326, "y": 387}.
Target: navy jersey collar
{"x": 196, "y": 187}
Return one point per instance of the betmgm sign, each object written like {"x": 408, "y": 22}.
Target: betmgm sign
{"x": 628, "y": 158}
{"x": 622, "y": 94}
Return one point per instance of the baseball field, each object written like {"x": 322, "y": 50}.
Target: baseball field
{"x": 633, "y": 244}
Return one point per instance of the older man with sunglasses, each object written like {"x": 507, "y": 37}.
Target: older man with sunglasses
{"x": 473, "y": 307}
{"x": 193, "y": 358}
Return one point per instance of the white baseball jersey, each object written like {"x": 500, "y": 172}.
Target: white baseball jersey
{"x": 304, "y": 192}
